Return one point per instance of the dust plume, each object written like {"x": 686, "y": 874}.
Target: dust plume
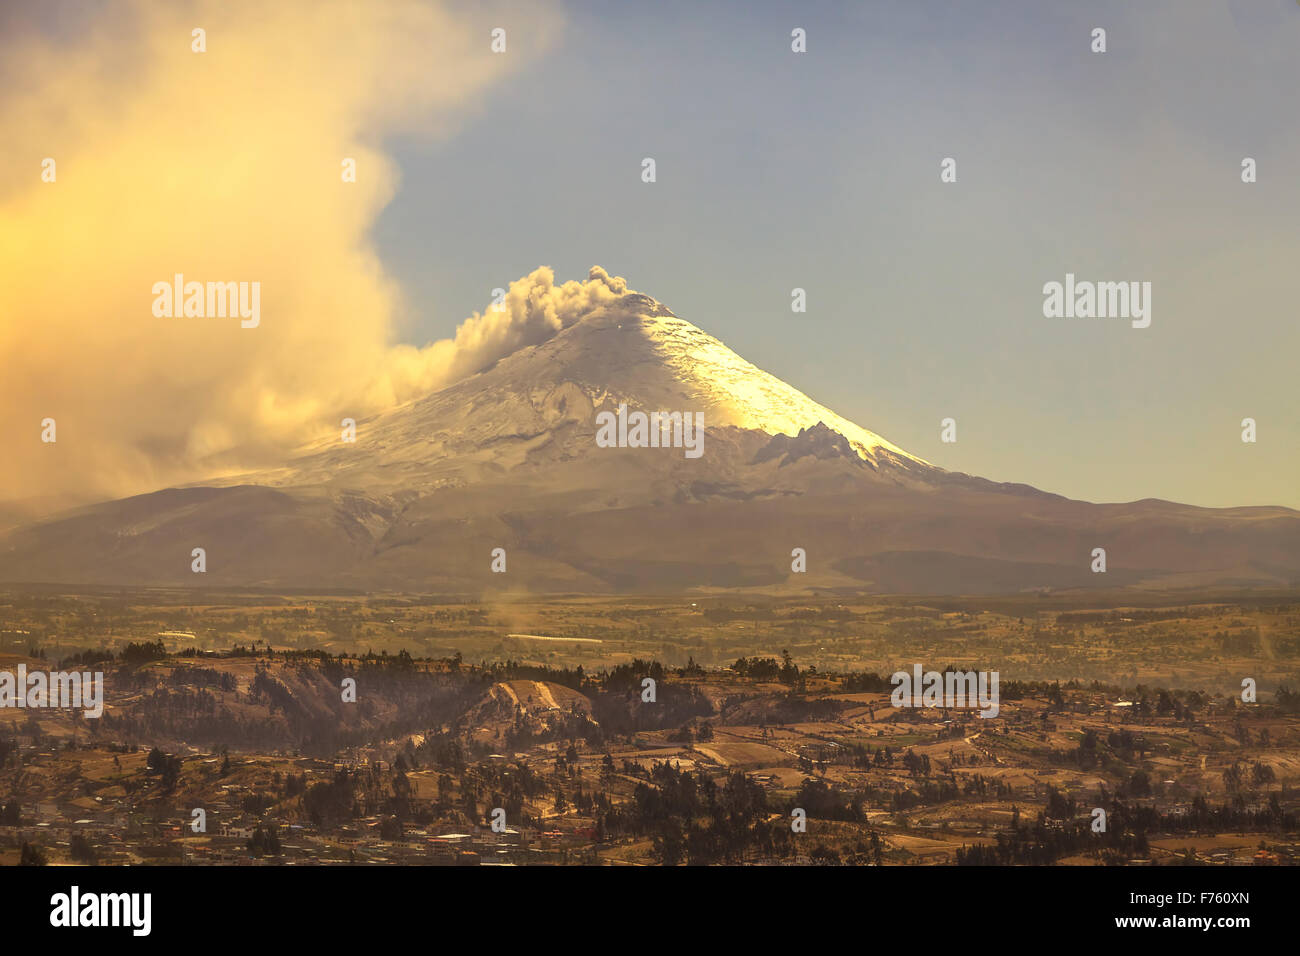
{"x": 224, "y": 166}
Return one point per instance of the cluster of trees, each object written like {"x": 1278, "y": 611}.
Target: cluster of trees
{"x": 693, "y": 819}
{"x": 142, "y": 653}
{"x": 767, "y": 668}
{"x": 132, "y": 655}
{"x": 1091, "y": 751}
{"x": 443, "y": 751}
{"x": 820, "y": 802}
{"x": 573, "y": 678}
{"x": 982, "y": 787}
{"x": 331, "y": 802}
{"x": 757, "y": 668}
{"x": 691, "y": 731}
{"x": 1060, "y": 832}
{"x": 200, "y": 704}
{"x": 866, "y": 683}
{"x": 617, "y": 708}
{"x": 81, "y": 850}
{"x": 265, "y": 842}
{"x": 1235, "y": 777}
{"x": 1241, "y": 643}
{"x": 32, "y": 855}
{"x": 1181, "y": 705}
{"x": 167, "y": 765}
{"x": 1288, "y": 701}
{"x": 928, "y": 792}
{"x": 1040, "y": 844}
{"x": 572, "y": 724}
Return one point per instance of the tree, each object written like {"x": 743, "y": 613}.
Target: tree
{"x": 789, "y": 672}
{"x": 171, "y": 773}
{"x": 32, "y": 855}
{"x": 1261, "y": 774}
{"x": 669, "y": 846}
{"x": 265, "y": 842}
{"x": 1086, "y": 755}
{"x": 165, "y": 764}
{"x": 155, "y": 760}
{"x": 1139, "y": 785}
{"x": 81, "y": 849}
{"x": 825, "y": 856}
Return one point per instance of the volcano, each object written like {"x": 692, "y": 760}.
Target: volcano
{"x": 506, "y": 458}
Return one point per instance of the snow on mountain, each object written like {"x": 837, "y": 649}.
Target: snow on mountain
{"x": 506, "y": 457}
{"x": 734, "y": 391}
{"x": 540, "y": 401}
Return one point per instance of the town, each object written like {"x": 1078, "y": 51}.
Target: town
{"x": 547, "y": 752}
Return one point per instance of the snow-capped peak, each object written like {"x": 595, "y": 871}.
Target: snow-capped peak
{"x": 604, "y": 345}
{"x": 737, "y": 392}
{"x": 635, "y": 349}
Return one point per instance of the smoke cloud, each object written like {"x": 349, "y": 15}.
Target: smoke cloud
{"x": 225, "y": 166}
{"x": 534, "y": 309}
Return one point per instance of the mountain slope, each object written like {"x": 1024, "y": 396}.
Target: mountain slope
{"x": 507, "y": 458}
{"x": 538, "y": 405}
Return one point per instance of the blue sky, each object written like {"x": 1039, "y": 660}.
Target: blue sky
{"x": 821, "y": 171}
